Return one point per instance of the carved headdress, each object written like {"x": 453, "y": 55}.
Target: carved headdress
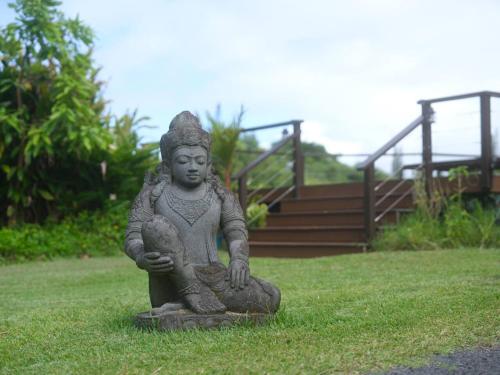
{"x": 185, "y": 130}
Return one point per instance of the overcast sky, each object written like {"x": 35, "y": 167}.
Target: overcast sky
{"x": 353, "y": 70}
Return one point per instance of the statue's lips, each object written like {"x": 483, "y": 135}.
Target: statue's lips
{"x": 193, "y": 176}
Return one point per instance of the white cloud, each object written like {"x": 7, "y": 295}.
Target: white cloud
{"x": 322, "y": 133}
{"x": 353, "y": 70}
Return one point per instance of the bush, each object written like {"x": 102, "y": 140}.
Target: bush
{"x": 88, "y": 234}
{"x": 256, "y": 215}
{"x": 442, "y": 222}
{"x": 413, "y": 233}
{"x": 455, "y": 227}
{"x": 474, "y": 228}
{"x": 61, "y": 150}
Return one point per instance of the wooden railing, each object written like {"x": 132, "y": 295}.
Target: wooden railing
{"x": 484, "y": 164}
{"x": 298, "y": 163}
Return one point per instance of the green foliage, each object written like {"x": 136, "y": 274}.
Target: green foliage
{"x": 470, "y": 227}
{"x": 55, "y": 139}
{"x": 275, "y": 171}
{"x": 256, "y": 215}
{"x": 414, "y": 232}
{"x": 88, "y": 234}
{"x": 224, "y": 143}
{"x": 126, "y": 159}
{"x": 324, "y": 168}
{"x": 443, "y": 223}
{"x": 247, "y": 150}
{"x": 51, "y": 121}
{"x": 320, "y": 166}
{"x": 456, "y": 228}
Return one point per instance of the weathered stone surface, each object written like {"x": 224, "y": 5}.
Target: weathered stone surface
{"x": 171, "y": 234}
{"x": 185, "y": 319}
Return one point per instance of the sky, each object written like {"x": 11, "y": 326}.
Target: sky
{"x": 352, "y": 70}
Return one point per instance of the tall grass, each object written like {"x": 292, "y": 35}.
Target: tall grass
{"x": 455, "y": 228}
{"x": 444, "y": 222}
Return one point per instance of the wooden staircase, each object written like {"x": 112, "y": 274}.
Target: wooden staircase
{"x": 310, "y": 221}
{"x": 325, "y": 220}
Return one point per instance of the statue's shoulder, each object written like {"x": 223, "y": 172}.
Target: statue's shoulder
{"x": 152, "y": 179}
{"x": 150, "y": 182}
{"x": 154, "y": 183}
{"x": 231, "y": 208}
{"x": 151, "y": 189}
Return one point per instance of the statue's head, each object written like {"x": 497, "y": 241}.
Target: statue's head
{"x": 185, "y": 149}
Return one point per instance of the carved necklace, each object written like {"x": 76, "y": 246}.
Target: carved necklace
{"x": 189, "y": 210}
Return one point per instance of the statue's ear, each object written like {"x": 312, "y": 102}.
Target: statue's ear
{"x": 211, "y": 171}
{"x": 165, "y": 167}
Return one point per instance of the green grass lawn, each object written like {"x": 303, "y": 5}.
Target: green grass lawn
{"x": 356, "y": 313}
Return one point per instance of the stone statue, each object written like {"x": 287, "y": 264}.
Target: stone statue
{"x": 172, "y": 231}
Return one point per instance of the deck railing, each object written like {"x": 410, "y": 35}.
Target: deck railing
{"x": 484, "y": 164}
{"x": 278, "y": 192}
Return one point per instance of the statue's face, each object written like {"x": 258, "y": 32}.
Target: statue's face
{"x": 189, "y": 166}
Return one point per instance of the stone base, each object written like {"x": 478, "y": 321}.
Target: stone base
{"x": 186, "y": 319}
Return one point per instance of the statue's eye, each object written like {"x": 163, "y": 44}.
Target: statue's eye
{"x": 200, "y": 160}
{"x": 182, "y": 160}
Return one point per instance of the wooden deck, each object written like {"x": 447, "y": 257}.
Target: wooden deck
{"x": 329, "y": 219}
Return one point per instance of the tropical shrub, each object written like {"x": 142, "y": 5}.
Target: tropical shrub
{"x": 224, "y": 142}
{"x": 51, "y": 112}
{"x": 256, "y": 215}
{"x": 440, "y": 222}
{"x": 60, "y": 153}
{"x": 87, "y": 234}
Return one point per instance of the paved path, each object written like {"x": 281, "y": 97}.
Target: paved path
{"x": 480, "y": 361}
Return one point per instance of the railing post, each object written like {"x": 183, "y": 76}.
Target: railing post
{"x": 369, "y": 202}
{"x": 243, "y": 193}
{"x": 486, "y": 142}
{"x": 298, "y": 160}
{"x": 427, "y": 114}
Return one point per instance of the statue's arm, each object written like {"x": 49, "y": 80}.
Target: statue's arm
{"x": 140, "y": 212}
{"x": 234, "y": 228}
{"x": 235, "y": 232}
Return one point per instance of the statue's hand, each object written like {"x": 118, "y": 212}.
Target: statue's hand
{"x": 156, "y": 263}
{"x": 238, "y": 273}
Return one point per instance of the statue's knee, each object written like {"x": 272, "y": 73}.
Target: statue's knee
{"x": 274, "y": 296}
{"x": 158, "y": 234}
{"x": 275, "y": 299}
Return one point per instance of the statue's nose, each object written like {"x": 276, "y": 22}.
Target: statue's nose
{"x": 193, "y": 167}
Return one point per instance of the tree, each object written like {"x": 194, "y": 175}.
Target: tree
{"x": 54, "y": 133}
{"x": 247, "y": 150}
{"x": 320, "y": 166}
{"x": 224, "y": 142}
{"x": 126, "y": 159}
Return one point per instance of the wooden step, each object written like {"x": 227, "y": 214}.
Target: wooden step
{"x": 349, "y": 189}
{"x": 319, "y": 218}
{"x": 347, "y": 233}
{"x": 303, "y": 249}
{"x": 338, "y": 203}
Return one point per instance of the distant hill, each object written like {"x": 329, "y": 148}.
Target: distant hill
{"x": 324, "y": 168}
{"x": 320, "y": 166}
